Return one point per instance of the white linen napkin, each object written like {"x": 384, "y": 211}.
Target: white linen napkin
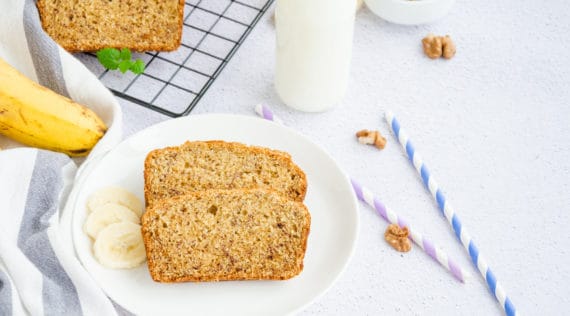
{"x": 39, "y": 272}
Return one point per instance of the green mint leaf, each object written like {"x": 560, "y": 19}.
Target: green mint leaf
{"x": 137, "y": 67}
{"x": 125, "y": 65}
{"x": 125, "y": 54}
{"x": 109, "y": 58}
{"x": 112, "y": 58}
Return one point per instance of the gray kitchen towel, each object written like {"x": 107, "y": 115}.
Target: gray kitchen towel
{"x": 39, "y": 272}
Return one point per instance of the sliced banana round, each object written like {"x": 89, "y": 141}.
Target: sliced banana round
{"x": 115, "y": 195}
{"x": 105, "y": 215}
{"x": 120, "y": 246}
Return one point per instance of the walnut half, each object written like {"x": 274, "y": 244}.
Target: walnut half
{"x": 432, "y": 45}
{"x": 398, "y": 238}
{"x": 371, "y": 138}
{"x": 438, "y": 46}
{"x": 448, "y": 47}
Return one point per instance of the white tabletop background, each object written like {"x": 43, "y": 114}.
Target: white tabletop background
{"x": 493, "y": 124}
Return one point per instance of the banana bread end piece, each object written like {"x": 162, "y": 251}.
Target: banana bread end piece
{"x": 79, "y": 25}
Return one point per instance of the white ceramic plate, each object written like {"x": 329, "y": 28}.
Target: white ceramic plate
{"x": 330, "y": 200}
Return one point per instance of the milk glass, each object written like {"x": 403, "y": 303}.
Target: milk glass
{"x": 314, "y": 46}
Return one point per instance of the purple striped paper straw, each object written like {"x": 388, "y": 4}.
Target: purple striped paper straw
{"x": 390, "y": 216}
{"x": 266, "y": 113}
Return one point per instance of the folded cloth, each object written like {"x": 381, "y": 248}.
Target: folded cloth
{"x": 39, "y": 273}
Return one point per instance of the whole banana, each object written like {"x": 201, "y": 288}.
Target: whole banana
{"x": 39, "y": 117}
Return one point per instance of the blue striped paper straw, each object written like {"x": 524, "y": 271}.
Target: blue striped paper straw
{"x": 365, "y": 195}
{"x": 449, "y": 212}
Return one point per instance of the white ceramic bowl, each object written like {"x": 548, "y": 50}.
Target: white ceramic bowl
{"x": 410, "y": 12}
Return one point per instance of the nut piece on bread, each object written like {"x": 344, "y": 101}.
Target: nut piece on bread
{"x": 204, "y": 165}
{"x": 79, "y": 25}
{"x": 218, "y": 235}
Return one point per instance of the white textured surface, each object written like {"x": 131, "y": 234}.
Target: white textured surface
{"x": 493, "y": 124}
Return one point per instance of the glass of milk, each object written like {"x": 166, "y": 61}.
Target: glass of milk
{"x": 314, "y": 45}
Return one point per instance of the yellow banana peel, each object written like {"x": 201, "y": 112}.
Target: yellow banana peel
{"x": 36, "y": 116}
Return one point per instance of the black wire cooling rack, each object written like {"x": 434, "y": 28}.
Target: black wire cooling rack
{"x": 174, "y": 82}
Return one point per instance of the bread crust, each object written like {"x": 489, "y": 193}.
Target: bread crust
{"x": 275, "y": 154}
{"x": 154, "y": 271}
{"x": 134, "y": 45}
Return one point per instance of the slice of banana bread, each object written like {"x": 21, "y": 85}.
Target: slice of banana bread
{"x": 79, "y": 25}
{"x": 220, "y": 235}
{"x": 203, "y": 165}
